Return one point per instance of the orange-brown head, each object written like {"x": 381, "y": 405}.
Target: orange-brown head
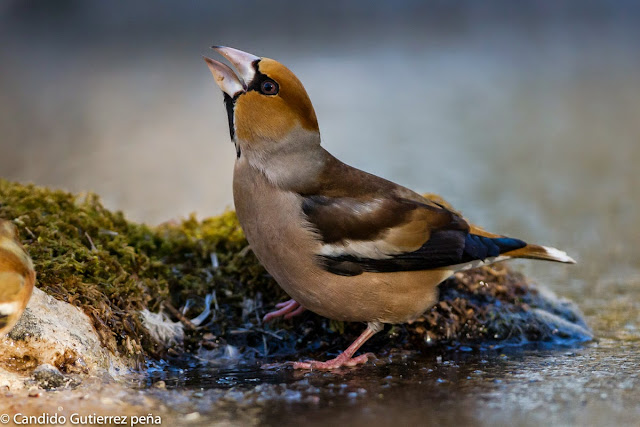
{"x": 267, "y": 106}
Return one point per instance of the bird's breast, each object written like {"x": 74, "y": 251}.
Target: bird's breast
{"x": 283, "y": 241}
{"x": 274, "y": 224}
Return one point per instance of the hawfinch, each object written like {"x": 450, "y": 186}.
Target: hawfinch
{"x": 341, "y": 242}
{"x": 17, "y": 277}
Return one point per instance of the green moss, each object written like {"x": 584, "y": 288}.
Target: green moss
{"x": 111, "y": 268}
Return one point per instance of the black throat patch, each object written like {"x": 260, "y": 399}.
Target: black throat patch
{"x": 230, "y": 104}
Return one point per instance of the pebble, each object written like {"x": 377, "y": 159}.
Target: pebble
{"x": 35, "y": 392}
{"x": 48, "y": 376}
{"x": 292, "y": 396}
{"x": 193, "y": 416}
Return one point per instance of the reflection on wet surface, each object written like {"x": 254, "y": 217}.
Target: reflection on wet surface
{"x": 594, "y": 384}
{"x": 597, "y": 383}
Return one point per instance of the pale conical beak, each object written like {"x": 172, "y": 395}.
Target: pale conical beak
{"x": 225, "y": 77}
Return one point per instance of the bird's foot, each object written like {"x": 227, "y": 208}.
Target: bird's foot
{"x": 338, "y": 362}
{"x": 288, "y": 309}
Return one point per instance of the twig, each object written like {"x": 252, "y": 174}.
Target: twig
{"x": 30, "y": 232}
{"x": 273, "y": 334}
{"x": 264, "y": 343}
{"x": 215, "y": 300}
{"x": 186, "y": 322}
{"x": 215, "y": 264}
{"x": 93, "y": 247}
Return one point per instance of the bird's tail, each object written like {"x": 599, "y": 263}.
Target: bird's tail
{"x": 541, "y": 252}
{"x": 522, "y": 249}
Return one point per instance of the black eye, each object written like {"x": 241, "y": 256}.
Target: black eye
{"x": 269, "y": 87}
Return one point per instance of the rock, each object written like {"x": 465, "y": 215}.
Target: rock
{"x": 48, "y": 376}
{"x": 160, "y": 385}
{"x": 561, "y": 328}
{"x": 34, "y": 392}
{"x": 56, "y": 334}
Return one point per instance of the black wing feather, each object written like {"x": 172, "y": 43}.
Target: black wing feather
{"x": 443, "y": 249}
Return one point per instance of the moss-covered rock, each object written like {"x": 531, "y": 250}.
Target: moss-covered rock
{"x": 113, "y": 269}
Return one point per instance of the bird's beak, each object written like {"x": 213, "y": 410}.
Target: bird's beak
{"x": 225, "y": 77}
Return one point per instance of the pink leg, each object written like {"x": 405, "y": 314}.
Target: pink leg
{"x": 346, "y": 357}
{"x": 288, "y": 309}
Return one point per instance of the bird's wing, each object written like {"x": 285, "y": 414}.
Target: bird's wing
{"x": 368, "y": 224}
{"x": 394, "y": 233}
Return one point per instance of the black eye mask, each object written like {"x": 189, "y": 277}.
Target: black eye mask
{"x": 256, "y": 85}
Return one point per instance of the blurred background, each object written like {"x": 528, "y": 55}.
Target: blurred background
{"x": 526, "y": 117}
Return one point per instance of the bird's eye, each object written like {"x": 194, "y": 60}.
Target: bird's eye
{"x": 269, "y": 87}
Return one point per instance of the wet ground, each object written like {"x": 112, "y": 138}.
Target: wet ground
{"x": 596, "y": 384}
{"x": 532, "y": 132}
{"x": 592, "y": 384}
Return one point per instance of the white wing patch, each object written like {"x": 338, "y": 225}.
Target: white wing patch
{"x": 372, "y": 249}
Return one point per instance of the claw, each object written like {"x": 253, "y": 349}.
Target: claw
{"x": 346, "y": 357}
{"x": 288, "y": 309}
{"x": 336, "y": 363}
{"x": 296, "y": 312}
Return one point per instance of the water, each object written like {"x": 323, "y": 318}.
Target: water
{"x": 532, "y": 131}
{"x": 596, "y": 384}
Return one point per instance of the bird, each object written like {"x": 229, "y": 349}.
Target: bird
{"x": 17, "y": 277}
{"x": 343, "y": 243}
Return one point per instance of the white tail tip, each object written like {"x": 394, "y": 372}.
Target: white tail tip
{"x": 559, "y": 255}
